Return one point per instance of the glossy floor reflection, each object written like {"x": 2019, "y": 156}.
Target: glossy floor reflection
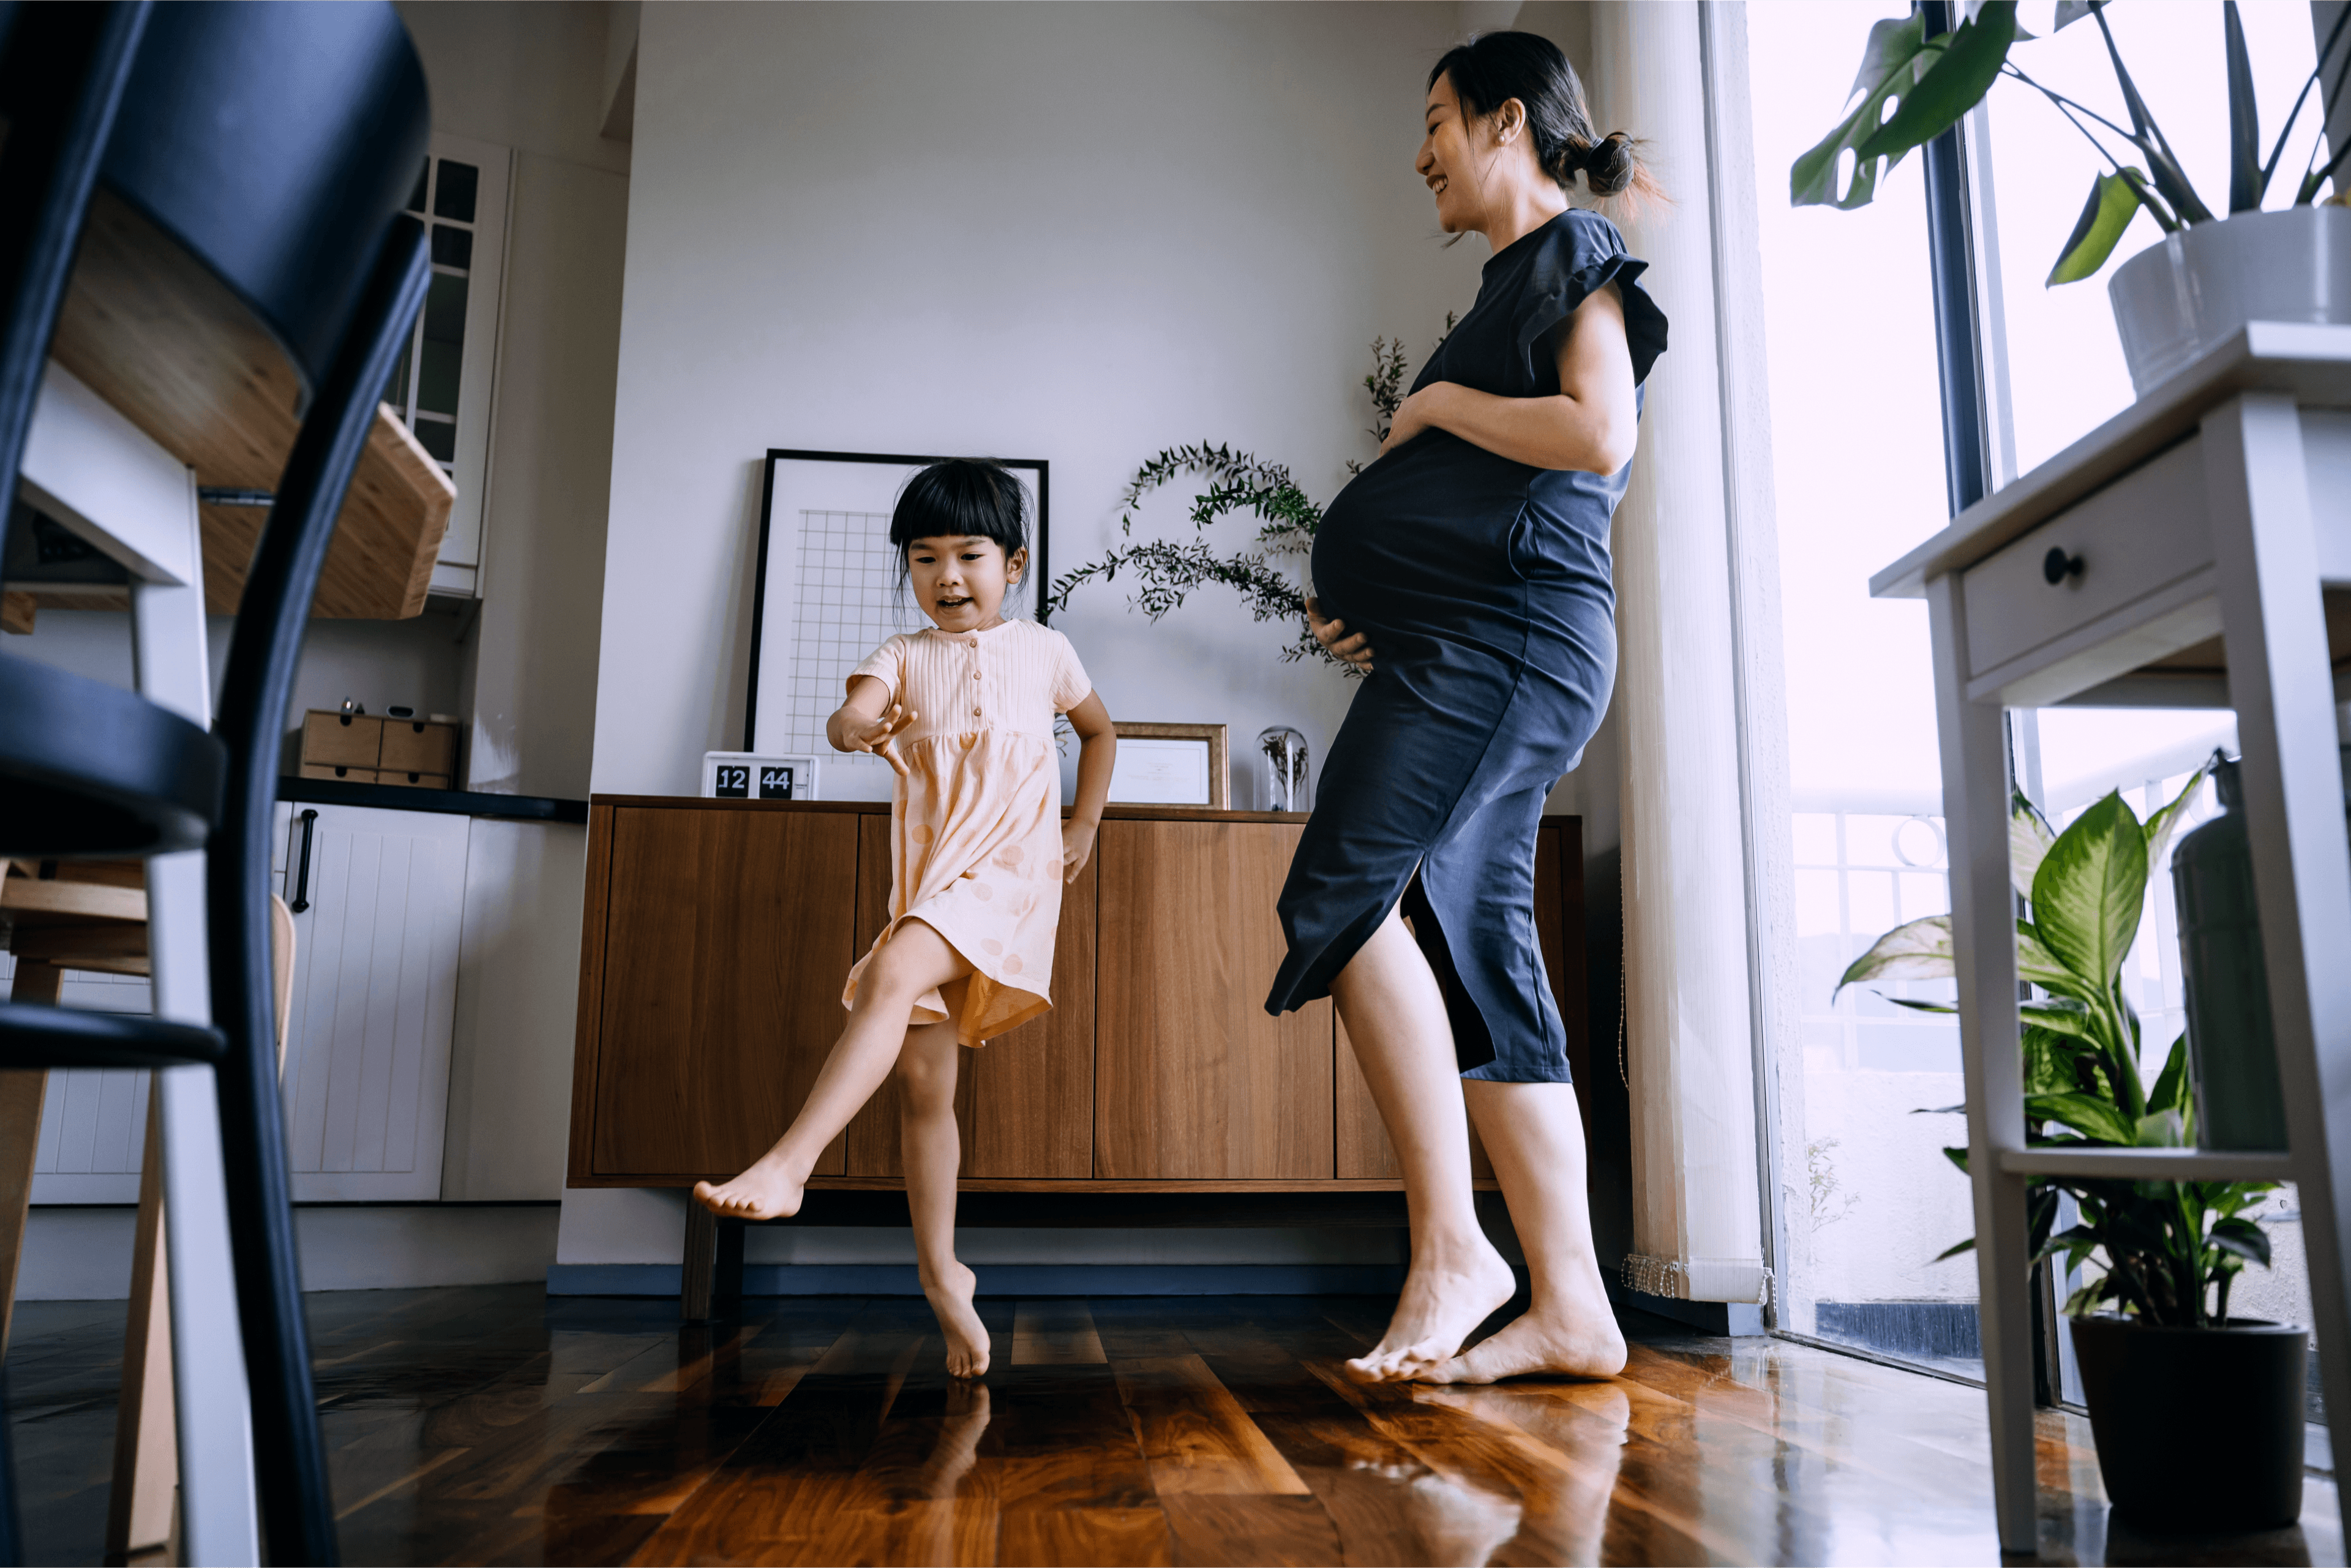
{"x": 494, "y": 1425}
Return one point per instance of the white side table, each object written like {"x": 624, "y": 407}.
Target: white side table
{"x": 2212, "y": 522}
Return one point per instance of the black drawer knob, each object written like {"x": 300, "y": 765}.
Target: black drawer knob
{"x": 2057, "y": 566}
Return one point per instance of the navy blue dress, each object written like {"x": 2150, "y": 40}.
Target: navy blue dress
{"x": 1483, "y": 585}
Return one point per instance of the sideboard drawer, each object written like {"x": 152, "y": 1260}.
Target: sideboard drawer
{"x": 2140, "y": 534}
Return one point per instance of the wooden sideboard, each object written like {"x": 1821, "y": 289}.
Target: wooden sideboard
{"x": 718, "y": 934}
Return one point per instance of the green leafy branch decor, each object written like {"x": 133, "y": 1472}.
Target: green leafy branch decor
{"x": 1913, "y": 87}
{"x": 1167, "y": 572}
{"x": 2166, "y": 1246}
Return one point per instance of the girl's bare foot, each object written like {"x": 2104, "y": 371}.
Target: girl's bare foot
{"x": 958, "y": 1447}
{"x": 1442, "y": 1303}
{"x": 949, "y": 1294}
{"x": 768, "y": 1190}
{"x": 1586, "y": 1345}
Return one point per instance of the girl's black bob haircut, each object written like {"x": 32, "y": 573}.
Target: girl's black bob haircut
{"x": 963, "y": 497}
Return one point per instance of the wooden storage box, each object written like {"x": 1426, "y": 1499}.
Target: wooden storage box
{"x": 331, "y": 770}
{"x": 411, "y": 781}
{"x": 418, "y": 746}
{"x": 341, "y": 741}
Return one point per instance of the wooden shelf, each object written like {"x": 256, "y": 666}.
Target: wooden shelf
{"x": 158, "y": 336}
{"x": 2150, "y": 1164}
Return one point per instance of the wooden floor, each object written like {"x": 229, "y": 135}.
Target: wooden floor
{"x": 494, "y": 1425}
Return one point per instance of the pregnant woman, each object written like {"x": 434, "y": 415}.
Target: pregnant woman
{"x": 1466, "y": 569}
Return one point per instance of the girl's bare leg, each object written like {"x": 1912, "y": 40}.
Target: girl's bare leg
{"x": 932, "y": 1153}
{"x": 1396, "y": 1019}
{"x": 915, "y": 959}
{"x": 1536, "y": 1139}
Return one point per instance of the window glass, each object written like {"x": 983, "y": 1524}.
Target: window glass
{"x": 423, "y": 391}
{"x": 2063, "y": 361}
{"x": 1868, "y": 1199}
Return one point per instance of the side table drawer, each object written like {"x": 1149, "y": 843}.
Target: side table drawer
{"x": 2141, "y": 533}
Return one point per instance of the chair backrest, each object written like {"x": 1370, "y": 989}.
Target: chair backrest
{"x": 286, "y": 199}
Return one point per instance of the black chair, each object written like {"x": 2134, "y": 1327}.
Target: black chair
{"x": 276, "y": 145}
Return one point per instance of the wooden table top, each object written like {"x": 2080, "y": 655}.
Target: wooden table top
{"x": 166, "y": 343}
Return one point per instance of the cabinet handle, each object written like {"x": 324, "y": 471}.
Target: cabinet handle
{"x": 2057, "y": 566}
{"x": 301, "y": 900}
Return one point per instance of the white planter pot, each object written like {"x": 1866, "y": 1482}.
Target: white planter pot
{"x": 2196, "y": 288}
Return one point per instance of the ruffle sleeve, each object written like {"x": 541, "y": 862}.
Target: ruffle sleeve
{"x": 886, "y": 664}
{"x": 1071, "y": 683}
{"x": 1577, "y": 257}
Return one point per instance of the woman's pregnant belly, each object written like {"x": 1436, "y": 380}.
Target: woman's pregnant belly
{"x": 1418, "y": 548}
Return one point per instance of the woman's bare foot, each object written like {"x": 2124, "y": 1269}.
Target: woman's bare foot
{"x": 1585, "y": 1346}
{"x": 768, "y": 1190}
{"x": 950, "y": 1297}
{"x": 1441, "y": 1304}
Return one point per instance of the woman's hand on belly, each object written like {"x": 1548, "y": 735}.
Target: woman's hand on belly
{"x": 1333, "y": 634}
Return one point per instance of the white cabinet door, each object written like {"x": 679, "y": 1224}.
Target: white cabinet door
{"x": 376, "y": 926}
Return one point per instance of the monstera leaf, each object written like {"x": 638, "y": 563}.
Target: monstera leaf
{"x": 1926, "y": 83}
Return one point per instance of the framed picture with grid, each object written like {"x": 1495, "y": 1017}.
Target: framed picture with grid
{"x": 827, "y": 593}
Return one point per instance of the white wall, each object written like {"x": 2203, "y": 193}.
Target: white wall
{"x": 83, "y": 1254}
{"x": 1079, "y": 233}
{"x": 530, "y": 76}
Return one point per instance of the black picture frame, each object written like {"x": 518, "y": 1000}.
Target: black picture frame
{"x": 1038, "y": 470}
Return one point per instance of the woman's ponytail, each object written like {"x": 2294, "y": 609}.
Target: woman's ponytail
{"x": 1492, "y": 69}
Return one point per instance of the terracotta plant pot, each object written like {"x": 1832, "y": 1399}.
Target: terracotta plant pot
{"x": 2197, "y": 1429}
{"x": 2197, "y": 288}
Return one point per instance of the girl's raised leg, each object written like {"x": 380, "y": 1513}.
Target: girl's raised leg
{"x": 917, "y": 959}
{"x": 932, "y": 1149}
{"x": 1395, "y": 1014}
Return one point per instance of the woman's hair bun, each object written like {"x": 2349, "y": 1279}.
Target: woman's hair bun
{"x": 1609, "y": 165}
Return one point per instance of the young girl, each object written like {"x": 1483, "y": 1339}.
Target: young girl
{"x": 964, "y": 712}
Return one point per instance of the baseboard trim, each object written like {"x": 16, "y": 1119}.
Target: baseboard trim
{"x": 1735, "y": 1320}
{"x": 998, "y": 1280}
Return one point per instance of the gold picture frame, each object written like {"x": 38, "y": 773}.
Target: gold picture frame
{"x": 1156, "y": 773}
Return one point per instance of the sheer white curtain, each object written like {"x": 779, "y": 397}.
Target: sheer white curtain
{"x": 1690, "y": 1054}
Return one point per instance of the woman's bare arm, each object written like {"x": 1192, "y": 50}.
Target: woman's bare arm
{"x": 1589, "y": 426}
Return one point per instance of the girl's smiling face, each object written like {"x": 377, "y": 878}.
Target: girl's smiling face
{"x": 960, "y": 582}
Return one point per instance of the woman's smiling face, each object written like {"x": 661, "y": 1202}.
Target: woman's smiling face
{"x": 1448, "y": 158}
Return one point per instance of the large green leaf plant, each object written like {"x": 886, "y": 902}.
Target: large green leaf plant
{"x": 1912, "y": 88}
{"x": 2168, "y": 1249}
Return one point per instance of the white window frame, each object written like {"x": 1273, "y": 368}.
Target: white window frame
{"x": 457, "y": 570}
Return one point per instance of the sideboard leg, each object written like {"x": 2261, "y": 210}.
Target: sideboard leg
{"x": 726, "y": 1287}
{"x": 695, "y": 1278}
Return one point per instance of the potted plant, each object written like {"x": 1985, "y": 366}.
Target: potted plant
{"x": 2210, "y": 275}
{"x": 2198, "y": 1414}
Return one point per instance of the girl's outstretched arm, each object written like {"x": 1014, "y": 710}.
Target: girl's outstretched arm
{"x": 869, "y": 721}
{"x": 1097, "y": 748}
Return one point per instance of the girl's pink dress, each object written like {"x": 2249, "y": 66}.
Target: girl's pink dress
{"x": 976, "y": 825}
